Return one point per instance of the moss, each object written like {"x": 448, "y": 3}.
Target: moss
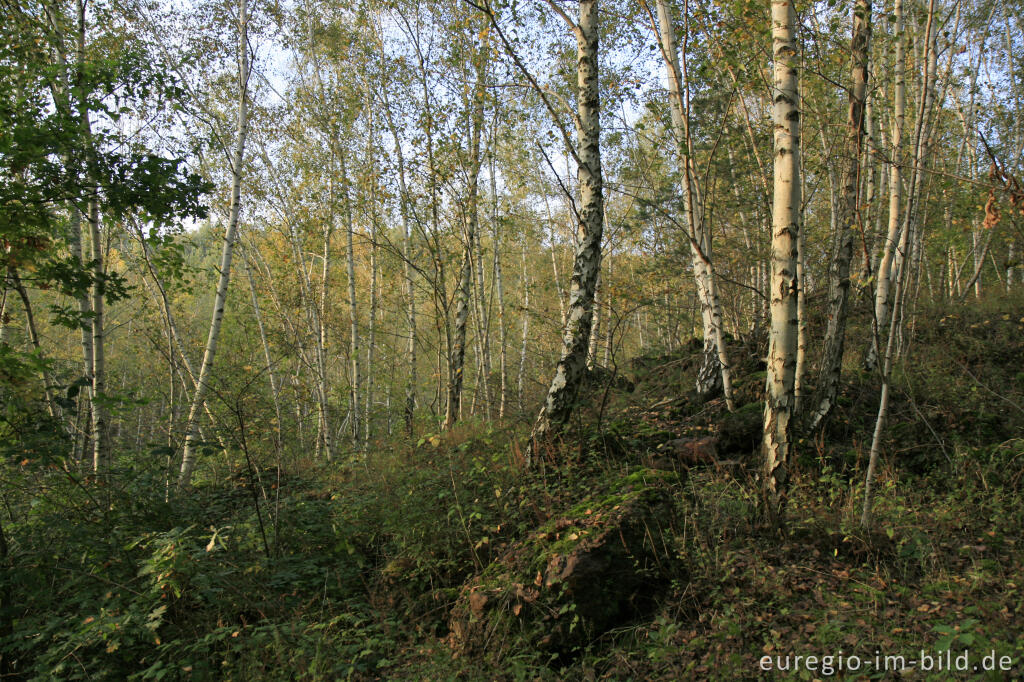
{"x": 575, "y": 576}
{"x": 751, "y": 408}
{"x": 756, "y": 378}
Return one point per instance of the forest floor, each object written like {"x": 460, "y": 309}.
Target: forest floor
{"x": 632, "y": 552}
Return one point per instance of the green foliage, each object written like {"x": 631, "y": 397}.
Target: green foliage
{"x": 27, "y": 431}
{"x": 52, "y": 165}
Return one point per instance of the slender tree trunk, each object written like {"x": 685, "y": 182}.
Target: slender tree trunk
{"x": 995, "y": 269}
{"x": 950, "y": 272}
{"x": 609, "y": 327}
{"x": 371, "y": 345}
{"x": 979, "y": 260}
{"x": 878, "y": 231}
{"x": 526, "y": 330}
{"x": 458, "y": 357}
{"x": 834, "y": 199}
{"x": 410, "y": 283}
{"x": 569, "y": 372}
{"x": 914, "y": 215}
{"x": 782, "y": 338}
{"x": 500, "y": 292}
{"x": 595, "y": 326}
{"x": 188, "y": 460}
{"x": 800, "y": 371}
{"x": 869, "y": 173}
{"x": 482, "y": 328}
{"x": 100, "y": 435}
{"x": 85, "y": 313}
{"x": 849, "y": 219}
{"x": 5, "y": 315}
{"x": 884, "y": 275}
{"x": 922, "y": 133}
{"x": 33, "y": 335}
{"x": 1011, "y": 263}
{"x": 275, "y": 392}
{"x": 464, "y": 292}
{"x": 714, "y": 372}
{"x": 175, "y": 348}
{"x": 318, "y": 313}
{"x": 353, "y": 310}
{"x": 979, "y": 263}
{"x": 65, "y": 98}
{"x": 324, "y": 437}
{"x": 883, "y": 402}
{"x": 554, "y": 264}
{"x": 98, "y": 410}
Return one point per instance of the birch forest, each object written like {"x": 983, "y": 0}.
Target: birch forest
{"x": 511, "y": 339}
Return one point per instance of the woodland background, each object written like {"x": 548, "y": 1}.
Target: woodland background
{"x": 286, "y": 284}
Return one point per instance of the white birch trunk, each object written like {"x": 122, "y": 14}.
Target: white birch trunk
{"x": 4, "y": 318}
{"x": 188, "y": 460}
{"x": 526, "y": 330}
{"x": 458, "y": 356}
{"x": 464, "y": 292}
{"x": 714, "y": 372}
{"x": 884, "y": 275}
{"x": 782, "y": 338}
{"x": 85, "y": 311}
{"x": 595, "y": 325}
{"x": 883, "y": 402}
{"x": 410, "y": 285}
{"x": 353, "y": 310}
{"x": 100, "y": 436}
{"x": 609, "y": 328}
{"x": 569, "y": 372}
{"x": 64, "y": 98}
{"x": 275, "y": 393}
{"x": 554, "y": 264}
{"x": 848, "y": 222}
{"x": 482, "y": 327}
{"x": 921, "y": 136}
{"x": 97, "y": 361}
{"x": 371, "y": 345}
{"x": 1011, "y": 263}
{"x": 500, "y": 293}
{"x": 33, "y": 336}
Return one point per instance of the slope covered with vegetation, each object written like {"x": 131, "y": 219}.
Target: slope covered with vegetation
{"x": 367, "y": 570}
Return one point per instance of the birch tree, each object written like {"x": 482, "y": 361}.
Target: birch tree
{"x": 188, "y": 461}
{"x": 572, "y": 365}
{"x": 883, "y": 275}
{"x": 499, "y": 284}
{"x": 782, "y": 337}
{"x": 355, "y": 383}
{"x": 96, "y": 365}
{"x": 408, "y": 272}
{"x": 714, "y": 372}
{"x": 848, "y": 221}
{"x": 470, "y": 224}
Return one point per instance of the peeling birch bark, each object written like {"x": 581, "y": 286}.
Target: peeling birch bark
{"x": 571, "y": 367}
{"x": 782, "y": 336}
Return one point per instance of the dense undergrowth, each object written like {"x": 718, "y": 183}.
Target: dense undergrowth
{"x": 368, "y": 568}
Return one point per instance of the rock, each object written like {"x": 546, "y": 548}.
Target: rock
{"x": 594, "y": 568}
{"x": 599, "y": 378}
{"x": 693, "y": 451}
{"x": 740, "y": 432}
